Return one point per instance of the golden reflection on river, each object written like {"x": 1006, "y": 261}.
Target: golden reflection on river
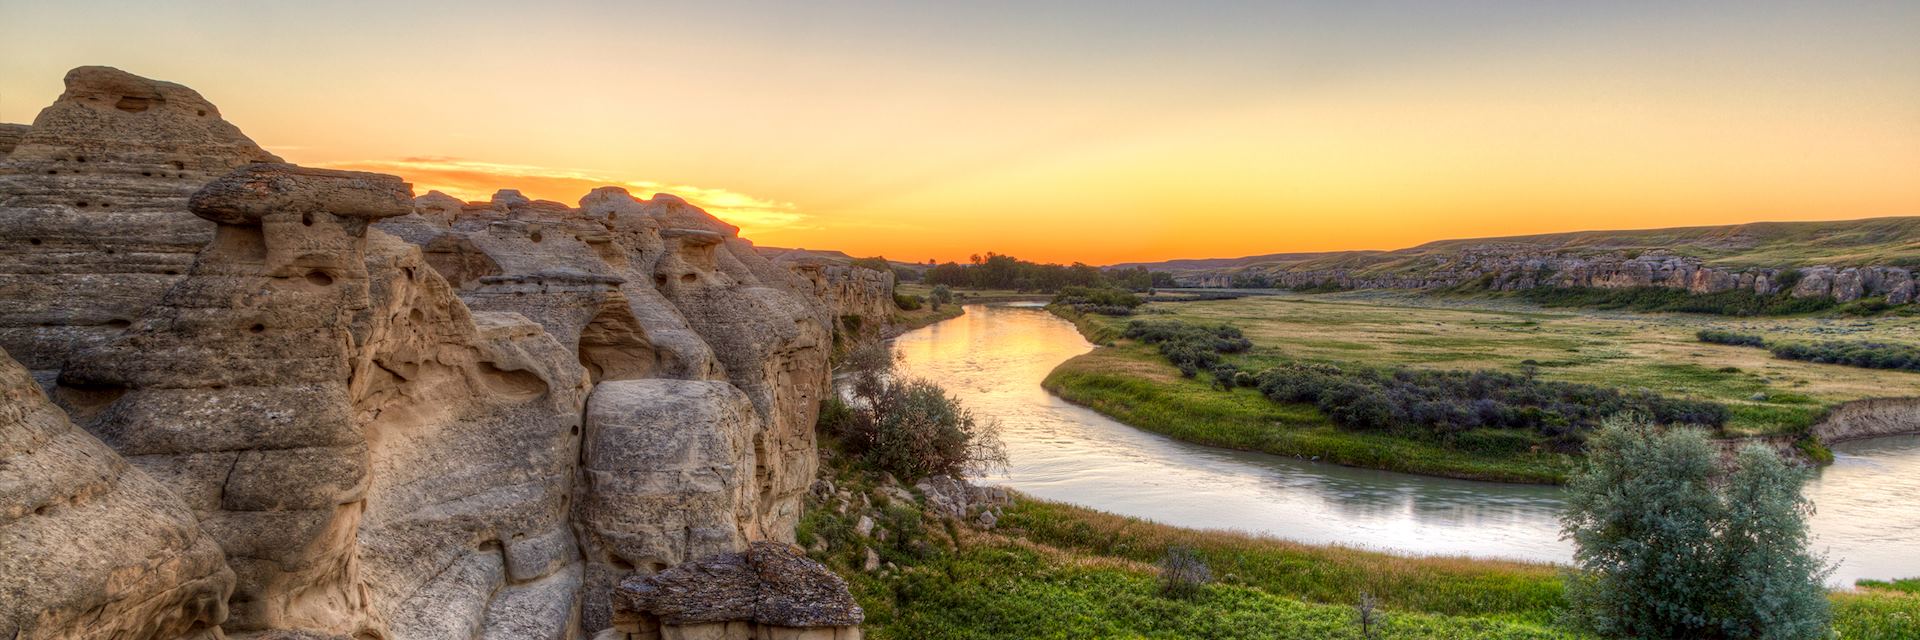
{"x": 994, "y": 357}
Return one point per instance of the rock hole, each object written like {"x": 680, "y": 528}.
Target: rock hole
{"x": 621, "y": 564}
{"x": 40, "y": 510}
{"x": 535, "y": 237}
{"x": 613, "y": 215}
{"x": 688, "y": 278}
{"x": 80, "y": 159}
{"x": 258, "y": 328}
{"x": 319, "y": 278}
{"x": 34, "y": 241}
{"x": 488, "y": 546}
{"x": 147, "y": 173}
{"x": 660, "y": 279}
{"x": 202, "y": 113}
{"x": 574, "y": 431}
{"x": 106, "y": 205}
{"x": 417, "y": 316}
{"x": 52, "y": 172}
{"x": 86, "y": 400}
{"x": 118, "y": 323}
{"x": 82, "y": 204}
{"x": 179, "y": 165}
{"x": 133, "y": 104}
{"x": 306, "y": 219}
{"x": 172, "y": 272}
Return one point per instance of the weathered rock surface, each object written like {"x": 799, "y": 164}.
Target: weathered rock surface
{"x": 374, "y": 403}
{"x": 770, "y": 590}
{"x": 1869, "y": 418}
{"x": 93, "y": 200}
{"x": 861, "y": 299}
{"x": 89, "y": 546}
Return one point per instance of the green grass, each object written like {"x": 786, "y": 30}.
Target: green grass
{"x": 1661, "y": 352}
{"x": 1902, "y": 585}
{"x": 1057, "y": 571}
{"x": 1133, "y": 384}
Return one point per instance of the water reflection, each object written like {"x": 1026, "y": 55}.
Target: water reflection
{"x": 994, "y": 357}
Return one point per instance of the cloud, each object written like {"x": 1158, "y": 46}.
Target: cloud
{"x": 476, "y": 180}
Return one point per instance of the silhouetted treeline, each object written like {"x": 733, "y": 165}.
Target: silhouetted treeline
{"x": 995, "y": 271}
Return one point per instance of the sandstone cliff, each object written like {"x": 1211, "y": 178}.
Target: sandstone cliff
{"x": 1842, "y": 261}
{"x": 368, "y": 415}
{"x": 861, "y": 299}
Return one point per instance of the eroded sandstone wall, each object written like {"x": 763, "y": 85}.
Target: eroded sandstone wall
{"x": 378, "y": 407}
{"x": 93, "y": 548}
{"x": 93, "y": 198}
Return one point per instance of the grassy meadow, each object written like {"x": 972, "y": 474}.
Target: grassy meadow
{"x": 1653, "y": 351}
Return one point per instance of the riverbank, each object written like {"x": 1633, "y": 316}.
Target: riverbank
{"x": 1050, "y": 570}
{"x": 1133, "y": 384}
{"x": 1767, "y": 399}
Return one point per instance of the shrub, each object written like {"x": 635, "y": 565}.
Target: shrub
{"x": 1738, "y": 302}
{"x": 1193, "y": 347}
{"x": 1870, "y": 355}
{"x": 910, "y": 428}
{"x": 907, "y": 302}
{"x": 1720, "y": 336}
{"x": 941, "y": 295}
{"x": 1449, "y": 402}
{"x": 1182, "y": 573}
{"x": 1102, "y": 300}
{"x": 1666, "y": 547}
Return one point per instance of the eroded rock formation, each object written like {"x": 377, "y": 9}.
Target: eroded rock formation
{"x": 769, "y": 591}
{"x": 93, "y": 198}
{"x": 860, "y": 299}
{"x": 93, "y": 548}
{"x": 395, "y": 417}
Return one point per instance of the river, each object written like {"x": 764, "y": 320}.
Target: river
{"x": 994, "y": 357}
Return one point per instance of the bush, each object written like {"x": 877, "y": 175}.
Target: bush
{"x": 1667, "y": 547}
{"x": 1183, "y": 573}
{"x": 910, "y": 428}
{"x": 941, "y": 295}
{"x": 1450, "y": 402}
{"x": 1719, "y": 336}
{"x": 1102, "y": 300}
{"x": 1193, "y": 347}
{"x": 1870, "y": 355}
{"x": 1739, "y": 302}
{"x": 908, "y": 302}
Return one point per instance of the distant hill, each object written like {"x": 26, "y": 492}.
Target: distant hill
{"x": 1871, "y": 241}
{"x": 1843, "y": 260}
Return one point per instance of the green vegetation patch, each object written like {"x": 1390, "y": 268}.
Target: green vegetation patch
{"x": 1665, "y": 299}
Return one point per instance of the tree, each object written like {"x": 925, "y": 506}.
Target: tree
{"x": 1667, "y": 546}
{"x": 940, "y": 295}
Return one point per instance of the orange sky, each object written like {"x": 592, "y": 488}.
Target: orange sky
{"x": 1097, "y": 132}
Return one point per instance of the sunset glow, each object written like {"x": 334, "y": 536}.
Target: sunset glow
{"x": 1076, "y": 131}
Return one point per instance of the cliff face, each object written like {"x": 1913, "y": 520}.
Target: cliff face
{"x": 860, "y": 298}
{"x": 1844, "y": 268}
{"x": 369, "y": 415}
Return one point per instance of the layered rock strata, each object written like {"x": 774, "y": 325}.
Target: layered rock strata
{"x": 93, "y": 547}
{"x": 373, "y": 416}
{"x": 93, "y": 198}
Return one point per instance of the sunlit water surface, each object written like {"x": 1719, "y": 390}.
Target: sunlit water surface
{"x": 994, "y": 357}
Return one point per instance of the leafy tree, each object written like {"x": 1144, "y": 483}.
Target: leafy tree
{"x": 908, "y": 427}
{"x": 940, "y": 295}
{"x": 1668, "y": 547}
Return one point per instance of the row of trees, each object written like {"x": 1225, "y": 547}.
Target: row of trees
{"x": 995, "y": 271}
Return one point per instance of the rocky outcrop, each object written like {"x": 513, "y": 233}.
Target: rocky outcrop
{"x": 861, "y": 299}
{"x": 378, "y": 407}
{"x": 89, "y": 546}
{"x": 1512, "y": 266}
{"x": 769, "y": 591}
{"x": 93, "y": 199}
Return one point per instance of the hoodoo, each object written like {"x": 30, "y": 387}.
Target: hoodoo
{"x": 321, "y": 407}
